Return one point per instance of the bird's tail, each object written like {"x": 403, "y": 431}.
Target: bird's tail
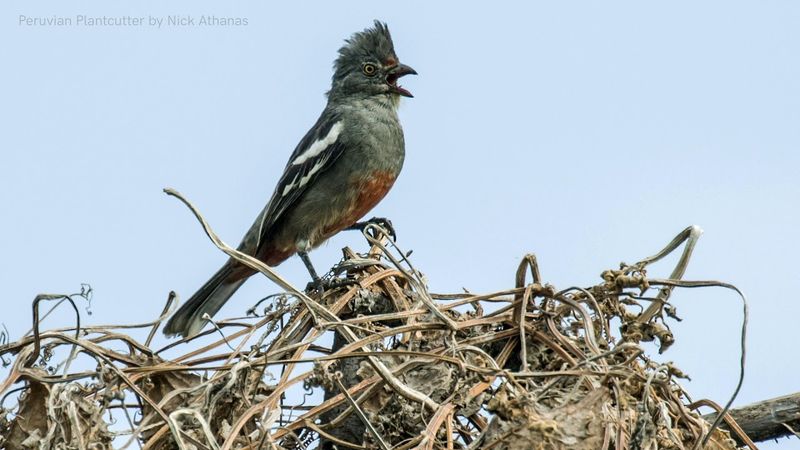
{"x": 188, "y": 320}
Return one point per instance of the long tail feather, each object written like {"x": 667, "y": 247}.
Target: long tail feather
{"x": 188, "y": 320}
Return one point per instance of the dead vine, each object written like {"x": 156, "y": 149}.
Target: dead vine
{"x": 407, "y": 369}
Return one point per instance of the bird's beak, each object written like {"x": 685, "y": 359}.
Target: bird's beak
{"x": 402, "y": 70}
{"x": 395, "y": 73}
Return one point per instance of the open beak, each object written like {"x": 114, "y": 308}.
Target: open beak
{"x": 395, "y": 73}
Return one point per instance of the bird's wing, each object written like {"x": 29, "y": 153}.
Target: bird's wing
{"x": 315, "y": 153}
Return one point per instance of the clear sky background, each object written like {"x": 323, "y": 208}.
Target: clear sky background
{"x": 588, "y": 133}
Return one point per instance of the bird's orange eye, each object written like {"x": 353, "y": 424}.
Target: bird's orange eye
{"x": 369, "y": 69}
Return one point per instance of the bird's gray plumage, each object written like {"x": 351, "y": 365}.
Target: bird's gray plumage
{"x": 340, "y": 169}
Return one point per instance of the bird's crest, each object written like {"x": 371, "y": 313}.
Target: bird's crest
{"x": 372, "y": 43}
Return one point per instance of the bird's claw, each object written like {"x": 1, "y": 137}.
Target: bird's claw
{"x": 340, "y": 282}
{"x": 317, "y": 285}
{"x": 382, "y": 222}
{"x": 321, "y": 285}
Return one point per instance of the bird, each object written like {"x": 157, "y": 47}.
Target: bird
{"x": 343, "y": 166}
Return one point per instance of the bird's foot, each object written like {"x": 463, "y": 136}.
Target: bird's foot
{"x": 315, "y": 285}
{"x": 340, "y": 282}
{"x": 321, "y": 285}
{"x": 382, "y": 222}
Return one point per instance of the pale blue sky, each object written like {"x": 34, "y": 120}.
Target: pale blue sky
{"x": 586, "y": 132}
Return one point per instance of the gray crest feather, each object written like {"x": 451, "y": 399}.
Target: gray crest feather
{"x": 373, "y": 43}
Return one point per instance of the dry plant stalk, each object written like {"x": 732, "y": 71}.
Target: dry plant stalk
{"x": 527, "y": 367}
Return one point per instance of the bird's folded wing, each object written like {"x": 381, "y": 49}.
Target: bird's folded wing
{"x": 315, "y": 153}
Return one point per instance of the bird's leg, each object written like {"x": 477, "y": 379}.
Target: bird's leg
{"x": 316, "y": 281}
{"x": 381, "y": 221}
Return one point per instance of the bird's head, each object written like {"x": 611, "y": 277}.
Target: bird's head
{"x": 367, "y": 65}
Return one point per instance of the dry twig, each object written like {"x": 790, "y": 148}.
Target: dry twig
{"x": 418, "y": 370}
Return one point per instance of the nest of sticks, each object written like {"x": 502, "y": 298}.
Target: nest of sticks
{"x": 378, "y": 362}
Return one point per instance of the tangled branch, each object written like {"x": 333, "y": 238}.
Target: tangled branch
{"x": 407, "y": 368}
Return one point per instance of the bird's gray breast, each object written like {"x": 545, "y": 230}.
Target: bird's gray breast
{"x": 374, "y": 138}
